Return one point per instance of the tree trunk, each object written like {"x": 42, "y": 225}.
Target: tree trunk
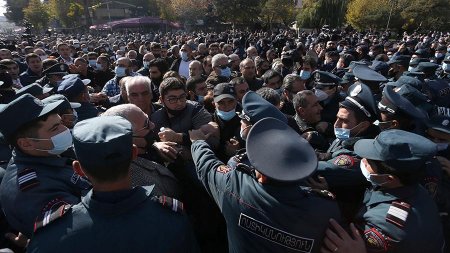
{"x": 87, "y": 15}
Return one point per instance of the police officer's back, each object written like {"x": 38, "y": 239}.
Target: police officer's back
{"x": 265, "y": 208}
{"x": 113, "y": 217}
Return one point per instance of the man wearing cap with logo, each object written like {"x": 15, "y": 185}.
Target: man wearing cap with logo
{"x": 327, "y": 91}
{"x": 371, "y": 78}
{"x": 53, "y": 76}
{"x": 36, "y": 177}
{"x": 229, "y": 122}
{"x": 75, "y": 90}
{"x": 254, "y": 108}
{"x": 337, "y": 166}
{"x": 104, "y": 148}
{"x": 265, "y": 208}
{"x": 398, "y": 215}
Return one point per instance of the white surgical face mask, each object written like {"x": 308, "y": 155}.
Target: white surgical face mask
{"x": 61, "y": 142}
{"x": 368, "y": 175}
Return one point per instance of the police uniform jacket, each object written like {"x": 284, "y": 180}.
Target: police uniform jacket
{"x": 31, "y": 184}
{"x": 86, "y": 111}
{"x": 263, "y": 217}
{"x": 121, "y": 221}
{"x": 403, "y": 219}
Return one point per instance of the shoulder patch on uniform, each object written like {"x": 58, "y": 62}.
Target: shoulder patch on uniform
{"x": 52, "y": 211}
{"x": 375, "y": 240}
{"x": 224, "y": 169}
{"x": 27, "y": 179}
{"x": 344, "y": 161}
{"x": 324, "y": 193}
{"x": 398, "y": 213}
{"x": 170, "y": 203}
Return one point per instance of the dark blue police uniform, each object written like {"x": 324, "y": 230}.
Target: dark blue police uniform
{"x": 279, "y": 216}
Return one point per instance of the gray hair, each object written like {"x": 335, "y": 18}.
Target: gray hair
{"x": 138, "y": 80}
{"x": 299, "y": 99}
{"x": 289, "y": 81}
{"x": 216, "y": 58}
{"x": 124, "y": 110}
{"x": 195, "y": 62}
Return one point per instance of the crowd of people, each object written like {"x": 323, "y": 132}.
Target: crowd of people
{"x": 266, "y": 141}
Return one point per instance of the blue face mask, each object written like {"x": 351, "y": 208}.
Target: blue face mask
{"x": 146, "y": 64}
{"x": 225, "y": 72}
{"x": 120, "y": 71}
{"x": 226, "y": 115}
{"x": 92, "y": 63}
{"x": 304, "y": 75}
{"x": 184, "y": 56}
{"x": 342, "y": 133}
{"x": 98, "y": 66}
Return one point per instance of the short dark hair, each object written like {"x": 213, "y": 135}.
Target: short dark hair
{"x": 8, "y": 62}
{"x": 192, "y": 82}
{"x": 110, "y": 173}
{"x": 270, "y": 95}
{"x": 171, "y": 83}
{"x": 289, "y": 80}
{"x": 271, "y": 74}
{"x": 29, "y": 129}
{"x": 160, "y": 64}
{"x": 299, "y": 99}
{"x": 31, "y": 55}
{"x": 237, "y": 80}
{"x": 310, "y": 61}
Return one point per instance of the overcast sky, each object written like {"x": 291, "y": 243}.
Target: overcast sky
{"x": 2, "y": 7}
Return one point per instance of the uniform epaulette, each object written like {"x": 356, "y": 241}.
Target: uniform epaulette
{"x": 27, "y": 179}
{"x": 324, "y": 193}
{"x": 52, "y": 211}
{"x": 398, "y": 213}
{"x": 170, "y": 203}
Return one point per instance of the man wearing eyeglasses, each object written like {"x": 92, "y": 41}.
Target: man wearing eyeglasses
{"x": 178, "y": 115}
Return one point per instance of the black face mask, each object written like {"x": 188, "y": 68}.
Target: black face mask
{"x": 175, "y": 112}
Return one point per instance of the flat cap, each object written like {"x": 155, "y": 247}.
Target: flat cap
{"x": 293, "y": 158}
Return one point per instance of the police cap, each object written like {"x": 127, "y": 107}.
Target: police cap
{"x": 400, "y": 60}
{"x": 255, "y": 108}
{"x": 380, "y": 67}
{"x": 360, "y": 100}
{"x": 22, "y": 110}
{"x": 440, "y": 123}
{"x": 403, "y": 151}
{"x": 415, "y": 61}
{"x": 278, "y": 152}
{"x": 71, "y": 87}
{"x": 393, "y": 103}
{"x": 64, "y": 106}
{"x": 57, "y": 69}
{"x": 425, "y": 67}
{"x": 323, "y": 79}
{"x": 103, "y": 141}
{"x": 364, "y": 73}
{"x": 33, "y": 89}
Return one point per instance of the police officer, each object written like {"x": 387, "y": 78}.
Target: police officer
{"x": 371, "y": 78}
{"x": 397, "y": 214}
{"x": 339, "y": 165}
{"x": 326, "y": 90}
{"x": 254, "y": 108}
{"x": 398, "y": 113}
{"x": 104, "y": 147}
{"x": 35, "y": 90}
{"x": 36, "y": 177}
{"x": 265, "y": 208}
{"x": 53, "y": 75}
